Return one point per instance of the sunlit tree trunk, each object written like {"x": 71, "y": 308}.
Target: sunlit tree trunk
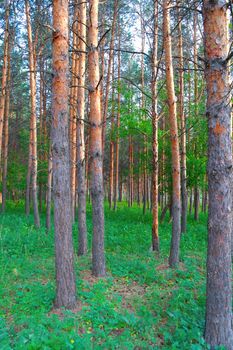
{"x": 65, "y": 276}
{"x": 218, "y": 327}
{"x": 4, "y": 72}
{"x": 33, "y": 118}
{"x": 95, "y": 145}
{"x": 155, "y": 159}
{"x": 176, "y": 205}
{"x": 81, "y": 182}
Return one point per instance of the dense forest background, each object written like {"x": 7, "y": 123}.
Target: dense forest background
{"x": 115, "y": 147}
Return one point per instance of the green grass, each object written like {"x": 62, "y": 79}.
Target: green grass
{"x": 140, "y": 305}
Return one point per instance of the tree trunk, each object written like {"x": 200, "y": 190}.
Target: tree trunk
{"x": 191, "y": 201}
{"x": 205, "y": 201}
{"x": 6, "y": 132}
{"x": 196, "y": 203}
{"x": 176, "y": 205}
{"x": 183, "y": 127}
{"x": 111, "y": 153}
{"x": 49, "y": 191}
{"x": 218, "y": 327}
{"x": 4, "y": 73}
{"x": 130, "y": 194}
{"x": 145, "y": 193}
{"x": 116, "y": 184}
{"x": 73, "y": 107}
{"x": 95, "y": 145}
{"x": 81, "y": 182}
{"x": 105, "y": 106}
{"x": 65, "y": 275}
{"x": 33, "y": 121}
{"x": 155, "y": 159}
{"x": 196, "y": 189}
{"x": 28, "y": 179}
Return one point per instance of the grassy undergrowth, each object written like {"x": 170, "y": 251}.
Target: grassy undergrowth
{"x": 140, "y": 305}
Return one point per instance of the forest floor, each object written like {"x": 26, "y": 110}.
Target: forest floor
{"x": 142, "y": 304}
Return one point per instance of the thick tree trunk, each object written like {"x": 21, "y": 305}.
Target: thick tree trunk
{"x": 155, "y": 159}
{"x": 4, "y": 73}
{"x": 176, "y": 205}
{"x": 183, "y": 127}
{"x": 218, "y": 328}
{"x": 81, "y": 181}
{"x": 65, "y": 276}
{"x": 33, "y": 121}
{"x": 95, "y": 145}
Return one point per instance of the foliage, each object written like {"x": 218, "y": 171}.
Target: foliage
{"x": 140, "y": 305}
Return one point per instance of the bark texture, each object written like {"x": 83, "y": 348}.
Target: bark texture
{"x": 4, "y": 73}
{"x": 74, "y": 106}
{"x": 33, "y": 119}
{"x": 81, "y": 182}
{"x": 49, "y": 191}
{"x": 6, "y": 132}
{"x": 116, "y": 183}
{"x": 182, "y": 126}
{"x": 95, "y": 145}
{"x": 65, "y": 276}
{"x": 155, "y": 223}
{"x": 176, "y": 205}
{"x": 112, "y": 147}
{"x": 218, "y": 328}
{"x": 105, "y": 105}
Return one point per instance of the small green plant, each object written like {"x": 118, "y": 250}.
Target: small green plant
{"x": 140, "y": 305}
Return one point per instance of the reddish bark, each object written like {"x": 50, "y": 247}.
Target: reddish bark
{"x": 176, "y": 203}
{"x": 95, "y": 145}
{"x": 4, "y": 73}
{"x": 218, "y": 327}
{"x": 65, "y": 276}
